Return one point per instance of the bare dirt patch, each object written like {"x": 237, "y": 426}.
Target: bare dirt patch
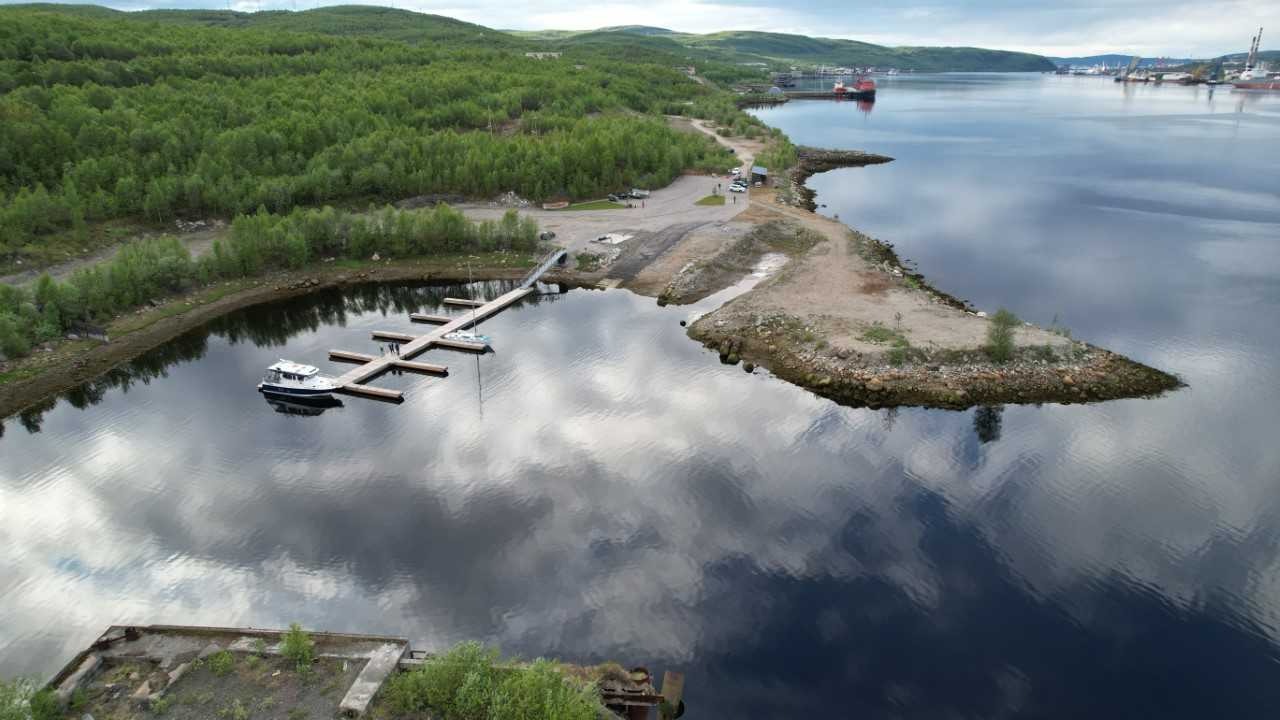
{"x": 234, "y": 686}
{"x": 848, "y": 321}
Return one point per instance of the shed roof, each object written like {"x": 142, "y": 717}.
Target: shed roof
{"x": 758, "y": 170}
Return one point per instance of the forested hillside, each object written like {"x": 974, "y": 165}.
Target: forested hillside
{"x": 833, "y": 51}
{"x": 780, "y": 50}
{"x": 104, "y": 115}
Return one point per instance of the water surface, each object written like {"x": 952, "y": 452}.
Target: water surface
{"x": 601, "y": 487}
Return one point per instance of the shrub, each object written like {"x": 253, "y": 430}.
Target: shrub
{"x": 298, "y": 646}
{"x": 221, "y": 663}
{"x": 236, "y": 710}
{"x": 1045, "y": 352}
{"x": 15, "y": 699}
{"x": 540, "y": 690}
{"x": 12, "y": 342}
{"x": 1000, "y": 336}
{"x": 467, "y": 684}
{"x": 437, "y": 683}
{"x": 44, "y": 705}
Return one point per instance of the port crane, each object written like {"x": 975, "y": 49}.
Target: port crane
{"x": 1252, "y": 60}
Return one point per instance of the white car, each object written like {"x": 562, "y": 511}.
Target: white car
{"x": 736, "y": 171}
{"x": 737, "y": 188}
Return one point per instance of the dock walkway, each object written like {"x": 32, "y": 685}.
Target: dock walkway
{"x": 351, "y": 381}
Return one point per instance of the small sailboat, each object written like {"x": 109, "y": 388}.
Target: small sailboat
{"x": 470, "y": 335}
{"x": 291, "y": 379}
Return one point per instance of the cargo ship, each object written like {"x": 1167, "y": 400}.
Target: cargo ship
{"x": 863, "y": 88}
{"x": 1255, "y": 76}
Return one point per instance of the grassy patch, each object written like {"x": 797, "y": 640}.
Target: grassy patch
{"x": 880, "y": 334}
{"x": 1045, "y": 353}
{"x": 588, "y": 262}
{"x": 596, "y": 205}
{"x": 178, "y": 306}
{"x": 901, "y": 349}
{"x": 711, "y": 200}
{"x": 468, "y": 682}
{"x": 221, "y": 663}
{"x": 21, "y": 373}
{"x": 62, "y": 246}
{"x": 235, "y": 710}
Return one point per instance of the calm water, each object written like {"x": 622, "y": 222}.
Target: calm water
{"x": 602, "y": 487}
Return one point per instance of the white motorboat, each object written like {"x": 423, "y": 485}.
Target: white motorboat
{"x": 467, "y": 336}
{"x": 291, "y": 379}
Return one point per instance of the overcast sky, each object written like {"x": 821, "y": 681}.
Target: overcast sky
{"x": 1058, "y": 27}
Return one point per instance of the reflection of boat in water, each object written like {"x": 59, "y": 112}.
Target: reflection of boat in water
{"x": 291, "y": 379}
{"x": 300, "y": 406}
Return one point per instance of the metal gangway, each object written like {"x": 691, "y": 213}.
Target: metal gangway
{"x": 555, "y": 256}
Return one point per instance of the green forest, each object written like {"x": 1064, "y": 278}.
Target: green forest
{"x": 257, "y": 242}
{"x": 273, "y": 120}
{"x": 104, "y": 117}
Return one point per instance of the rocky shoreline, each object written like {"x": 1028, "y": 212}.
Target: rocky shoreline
{"x": 1091, "y": 373}
{"x": 806, "y": 346}
{"x": 812, "y": 160}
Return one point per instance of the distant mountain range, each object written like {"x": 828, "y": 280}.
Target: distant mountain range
{"x": 743, "y": 50}
{"x": 1113, "y": 59}
{"x": 780, "y": 50}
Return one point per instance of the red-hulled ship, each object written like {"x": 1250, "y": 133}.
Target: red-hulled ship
{"x": 863, "y": 88}
{"x": 1255, "y": 75}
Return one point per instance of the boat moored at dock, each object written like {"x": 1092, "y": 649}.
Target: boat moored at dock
{"x": 1255, "y": 75}
{"x": 291, "y": 379}
{"x": 864, "y": 88}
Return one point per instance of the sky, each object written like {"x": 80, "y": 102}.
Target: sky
{"x": 1173, "y": 28}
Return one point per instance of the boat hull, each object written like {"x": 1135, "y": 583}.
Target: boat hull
{"x": 1258, "y": 85}
{"x": 295, "y": 392}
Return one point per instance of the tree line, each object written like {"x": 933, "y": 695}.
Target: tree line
{"x": 256, "y": 243}
{"x": 103, "y": 118}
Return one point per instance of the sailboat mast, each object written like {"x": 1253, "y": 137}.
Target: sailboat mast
{"x": 471, "y": 283}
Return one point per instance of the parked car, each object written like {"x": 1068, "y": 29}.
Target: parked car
{"x": 617, "y": 197}
{"x": 737, "y": 188}
{"x": 639, "y": 194}
{"x": 736, "y": 171}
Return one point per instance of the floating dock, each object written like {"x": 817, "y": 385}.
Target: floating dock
{"x": 352, "y": 382}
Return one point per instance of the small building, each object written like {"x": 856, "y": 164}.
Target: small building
{"x": 759, "y": 174}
